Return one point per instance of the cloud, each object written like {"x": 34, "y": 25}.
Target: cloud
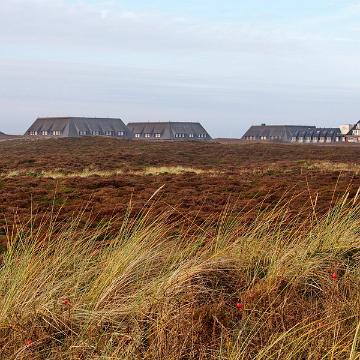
{"x": 98, "y": 58}
{"x": 59, "y": 23}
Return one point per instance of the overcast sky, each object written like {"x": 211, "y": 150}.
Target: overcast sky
{"x": 227, "y": 64}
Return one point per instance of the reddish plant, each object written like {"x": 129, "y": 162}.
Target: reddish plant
{"x": 66, "y": 302}
{"x": 240, "y": 306}
{"x": 334, "y": 275}
{"x": 28, "y": 342}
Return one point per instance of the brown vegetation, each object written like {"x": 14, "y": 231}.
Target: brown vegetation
{"x": 244, "y": 251}
{"x": 197, "y": 179}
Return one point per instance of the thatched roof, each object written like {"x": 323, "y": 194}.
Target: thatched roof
{"x": 169, "y": 130}
{"x": 77, "y": 126}
{"x": 279, "y": 132}
{"x": 287, "y": 132}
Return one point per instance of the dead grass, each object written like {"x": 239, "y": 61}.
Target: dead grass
{"x": 333, "y": 166}
{"x": 174, "y": 170}
{"x": 89, "y": 172}
{"x": 149, "y": 291}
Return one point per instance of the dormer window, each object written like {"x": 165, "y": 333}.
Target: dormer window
{"x": 137, "y": 135}
{"x": 158, "y": 135}
{"x": 44, "y": 133}
{"x": 120, "y": 133}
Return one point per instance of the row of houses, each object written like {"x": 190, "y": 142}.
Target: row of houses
{"x": 303, "y": 134}
{"x": 80, "y": 127}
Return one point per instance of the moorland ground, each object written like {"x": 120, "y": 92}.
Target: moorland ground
{"x": 246, "y": 251}
{"x": 198, "y": 179}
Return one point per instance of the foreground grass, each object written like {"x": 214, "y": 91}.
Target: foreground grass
{"x": 279, "y": 289}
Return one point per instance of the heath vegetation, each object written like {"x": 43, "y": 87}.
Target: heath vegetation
{"x": 244, "y": 251}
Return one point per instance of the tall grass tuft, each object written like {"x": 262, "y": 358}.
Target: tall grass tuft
{"x": 279, "y": 288}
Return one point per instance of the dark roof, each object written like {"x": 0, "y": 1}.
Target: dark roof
{"x": 286, "y": 132}
{"x": 281, "y": 132}
{"x": 3, "y": 135}
{"x": 168, "y": 129}
{"x": 70, "y": 126}
{"x": 320, "y": 132}
{"x": 50, "y": 124}
{"x": 351, "y": 132}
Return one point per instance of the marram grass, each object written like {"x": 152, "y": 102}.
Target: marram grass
{"x": 277, "y": 289}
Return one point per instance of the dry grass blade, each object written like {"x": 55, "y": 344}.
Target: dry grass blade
{"x": 276, "y": 289}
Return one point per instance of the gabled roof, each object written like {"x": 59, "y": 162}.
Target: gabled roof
{"x": 168, "y": 130}
{"x": 355, "y": 127}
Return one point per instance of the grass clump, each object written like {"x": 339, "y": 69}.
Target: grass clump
{"x": 90, "y": 172}
{"x": 333, "y": 166}
{"x": 277, "y": 289}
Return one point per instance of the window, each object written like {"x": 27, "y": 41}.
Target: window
{"x": 95, "y": 132}
{"x": 191, "y": 135}
{"x": 147, "y": 135}
{"x": 44, "y": 133}
{"x": 56, "y": 133}
{"x": 158, "y": 135}
{"x": 137, "y": 135}
{"x": 108, "y": 133}
{"x": 82, "y": 133}
{"x": 33, "y": 133}
{"x": 120, "y": 133}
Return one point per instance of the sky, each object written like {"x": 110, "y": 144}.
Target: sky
{"x": 227, "y": 64}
